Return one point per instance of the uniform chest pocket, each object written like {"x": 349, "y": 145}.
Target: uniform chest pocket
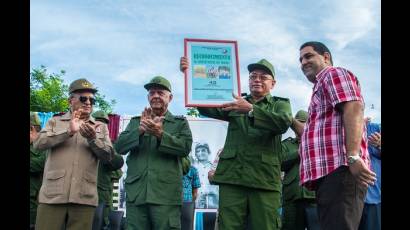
{"x": 54, "y": 184}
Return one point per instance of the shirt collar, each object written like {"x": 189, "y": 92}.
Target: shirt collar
{"x": 321, "y": 74}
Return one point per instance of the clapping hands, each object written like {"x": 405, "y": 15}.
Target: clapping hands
{"x": 150, "y": 123}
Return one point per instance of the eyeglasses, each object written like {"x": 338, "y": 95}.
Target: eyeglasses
{"x": 262, "y": 77}
{"x": 83, "y": 99}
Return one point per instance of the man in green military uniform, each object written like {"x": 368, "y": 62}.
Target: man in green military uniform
{"x": 105, "y": 171}
{"x": 157, "y": 142}
{"x": 37, "y": 160}
{"x": 299, "y": 205}
{"x": 248, "y": 172}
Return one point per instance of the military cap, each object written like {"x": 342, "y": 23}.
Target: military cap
{"x": 82, "y": 84}
{"x": 202, "y": 145}
{"x": 101, "y": 115}
{"x": 263, "y": 64}
{"x": 158, "y": 81}
{"x": 34, "y": 119}
{"x": 301, "y": 116}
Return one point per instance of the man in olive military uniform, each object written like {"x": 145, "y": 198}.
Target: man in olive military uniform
{"x": 299, "y": 205}
{"x": 77, "y": 142}
{"x": 157, "y": 142}
{"x": 37, "y": 160}
{"x": 105, "y": 170}
{"x": 248, "y": 171}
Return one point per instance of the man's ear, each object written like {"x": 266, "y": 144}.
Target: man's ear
{"x": 326, "y": 55}
{"x": 170, "y": 97}
{"x": 273, "y": 83}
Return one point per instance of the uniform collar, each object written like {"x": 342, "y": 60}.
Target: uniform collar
{"x": 266, "y": 98}
{"x": 169, "y": 116}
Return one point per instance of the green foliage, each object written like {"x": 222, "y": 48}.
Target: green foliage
{"x": 191, "y": 111}
{"x": 48, "y": 93}
{"x": 102, "y": 104}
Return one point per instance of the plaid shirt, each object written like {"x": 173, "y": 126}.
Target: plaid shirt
{"x": 322, "y": 148}
{"x": 189, "y": 181}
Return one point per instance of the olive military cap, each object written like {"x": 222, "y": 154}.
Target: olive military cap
{"x": 263, "y": 65}
{"x": 202, "y": 145}
{"x": 101, "y": 115}
{"x": 82, "y": 84}
{"x": 34, "y": 119}
{"x": 158, "y": 81}
{"x": 301, "y": 116}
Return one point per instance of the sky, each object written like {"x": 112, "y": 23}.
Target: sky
{"x": 120, "y": 45}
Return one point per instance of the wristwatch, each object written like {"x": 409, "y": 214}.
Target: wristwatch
{"x": 352, "y": 159}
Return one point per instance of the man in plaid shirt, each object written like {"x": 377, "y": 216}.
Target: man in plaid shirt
{"x": 333, "y": 150}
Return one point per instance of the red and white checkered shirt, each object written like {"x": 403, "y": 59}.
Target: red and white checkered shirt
{"x": 322, "y": 147}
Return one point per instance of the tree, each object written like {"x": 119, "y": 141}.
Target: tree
{"x": 192, "y": 111}
{"x": 48, "y": 93}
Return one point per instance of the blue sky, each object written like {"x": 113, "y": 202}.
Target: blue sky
{"x": 120, "y": 45}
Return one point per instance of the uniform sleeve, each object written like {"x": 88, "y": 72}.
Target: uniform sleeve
{"x": 290, "y": 156}
{"x": 215, "y": 113}
{"x": 37, "y": 161}
{"x": 51, "y": 135}
{"x": 196, "y": 183}
{"x": 101, "y": 146}
{"x": 129, "y": 139}
{"x": 186, "y": 164}
{"x": 178, "y": 144}
{"x": 277, "y": 120}
{"x": 342, "y": 86}
{"x": 116, "y": 163}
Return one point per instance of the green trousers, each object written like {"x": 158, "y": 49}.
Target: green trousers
{"x": 152, "y": 216}
{"x": 105, "y": 196}
{"x": 53, "y": 216}
{"x": 33, "y": 210}
{"x": 238, "y": 205}
{"x": 300, "y": 214}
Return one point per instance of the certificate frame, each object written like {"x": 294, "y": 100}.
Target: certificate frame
{"x": 213, "y": 72}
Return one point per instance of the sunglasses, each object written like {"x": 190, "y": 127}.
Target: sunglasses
{"x": 83, "y": 99}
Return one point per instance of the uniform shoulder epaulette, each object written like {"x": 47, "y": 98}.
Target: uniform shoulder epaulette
{"x": 280, "y": 98}
{"x": 59, "y": 114}
{"x": 180, "y": 117}
{"x": 136, "y": 117}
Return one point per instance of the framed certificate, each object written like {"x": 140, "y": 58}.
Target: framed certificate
{"x": 213, "y": 72}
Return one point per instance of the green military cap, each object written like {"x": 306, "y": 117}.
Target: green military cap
{"x": 301, "y": 115}
{"x": 82, "y": 84}
{"x": 34, "y": 119}
{"x": 263, "y": 64}
{"x": 101, "y": 115}
{"x": 158, "y": 81}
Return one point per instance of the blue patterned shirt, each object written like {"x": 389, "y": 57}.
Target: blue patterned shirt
{"x": 190, "y": 181}
{"x": 374, "y": 192}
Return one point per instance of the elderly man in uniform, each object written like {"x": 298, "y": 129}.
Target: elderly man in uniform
{"x": 68, "y": 195}
{"x": 37, "y": 160}
{"x": 157, "y": 142}
{"x": 299, "y": 205}
{"x": 105, "y": 171}
{"x": 248, "y": 172}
